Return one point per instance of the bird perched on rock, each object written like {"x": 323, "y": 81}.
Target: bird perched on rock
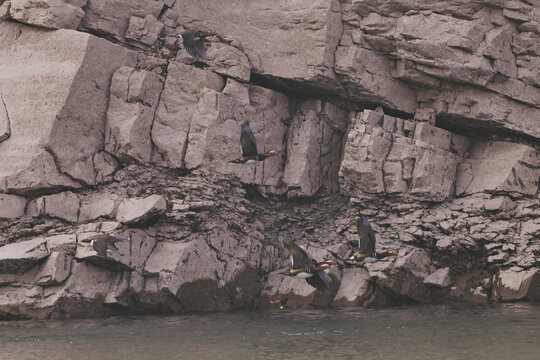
{"x": 250, "y": 154}
{"x": 195, "y": 42}
{"x": 304, "y": 267}
{"x": 366, "y": 243}
{"x": 101, "y": 243}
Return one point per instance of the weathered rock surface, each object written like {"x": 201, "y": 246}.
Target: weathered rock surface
{"x": 52, "y": 14}
{"x": 5, "y": 124}
{"x": 517, "y": 285}
{"x": 19, "y": 257}
{"x": 11, "y": 206}
{"x": 131, "y": 211}
{"x": 134, "y": 97}
{"x": 355, "y": 287}
{"x": 40, "y": 152}
{"x": 439, "y": 278}
{"x": 422, "y": 115}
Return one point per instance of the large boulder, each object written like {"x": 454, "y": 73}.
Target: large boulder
{"x": 403, "y": 280}
{"x": 52, "y": 14}
{"x": 111, "y": 18}
{"x": 314, "y": 146}
{"x": 511, "y": 285}
{"x": 177, "y": 106}
{"x": 388, "y": 155}
{"x": 134, "y": 97}
{"x": 21, "y": 256}
{"x": 498, "y": 166}
{"x": 307, "y": 55}
{"x": 68, "y": 69}
{"x": 356, "y": 286}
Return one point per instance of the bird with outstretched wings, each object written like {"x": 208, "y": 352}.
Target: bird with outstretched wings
{"x": 366, "y": 240}
{"x": 248, "y": 142}
{"x": 304, "y": 267}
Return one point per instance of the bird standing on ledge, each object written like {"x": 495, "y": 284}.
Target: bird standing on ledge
{"x": 304, "y": 267}
{"x": 101, "y": 243}
{"x": 366, "y": 244}
{"x": 250, "y": 154}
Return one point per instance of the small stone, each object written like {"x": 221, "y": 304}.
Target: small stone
{"x": 439, "y": 278}
{"x": 138, "y": 210}
{"x": 444, "y": 243}
{"x": 501, "y": 203}
{"x": 498, "y": 258}
{"x": 509, "y": 247}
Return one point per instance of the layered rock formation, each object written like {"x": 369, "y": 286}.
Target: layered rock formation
{"x": 424, "y": 116}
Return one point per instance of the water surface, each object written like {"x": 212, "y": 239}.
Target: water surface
{"x": 434, "y": 332}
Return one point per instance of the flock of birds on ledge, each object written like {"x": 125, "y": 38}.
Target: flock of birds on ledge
{"x": 303, "y": 266}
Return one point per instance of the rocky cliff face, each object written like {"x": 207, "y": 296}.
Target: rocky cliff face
{"x": 423, "y": 115}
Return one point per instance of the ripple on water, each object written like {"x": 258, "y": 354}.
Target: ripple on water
{"x": 432, "y": 332}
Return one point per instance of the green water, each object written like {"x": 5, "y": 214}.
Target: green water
{"x": 435, "y": 332}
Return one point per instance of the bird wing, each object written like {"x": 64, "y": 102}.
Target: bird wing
{"x": 324, "y": 276}
{"x": 247, "y": 139}
{"x": 194, "y": 43}
{"x": 196, "y": 49}
{"x": 366, "y": 235}
{"x": 299, "y": 258}
{"x": 199, "y": 49}
{"x": 100, "y": 246}
{"x": 317, "y": 281}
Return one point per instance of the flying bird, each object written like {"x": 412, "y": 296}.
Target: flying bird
{"x": 101, "y": 243}
{"x": 304, "y": 267}
{"x": 250, "y": 154}
{"x": 366, "y": 243}
{"x": 195, "y": 42}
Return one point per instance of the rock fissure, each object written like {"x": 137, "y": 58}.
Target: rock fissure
{"x": 5, "y": 122}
